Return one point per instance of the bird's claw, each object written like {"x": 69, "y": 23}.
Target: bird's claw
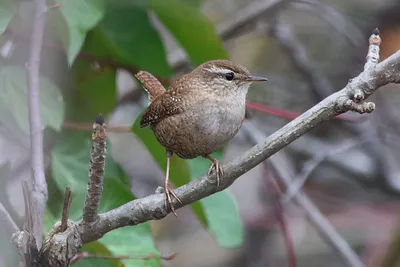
{"x": 217, "y": 167}
{"x": 168, "y": 200}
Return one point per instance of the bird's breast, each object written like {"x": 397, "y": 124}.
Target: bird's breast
{"x": 201, "y": 129}
{"x": 218, "y": 121}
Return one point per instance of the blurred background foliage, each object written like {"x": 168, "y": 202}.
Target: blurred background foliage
{"x": 308, "y": 49}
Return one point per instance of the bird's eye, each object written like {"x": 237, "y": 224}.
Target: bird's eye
{"x": 229, "y": 76}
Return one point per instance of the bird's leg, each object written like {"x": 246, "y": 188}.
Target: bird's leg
{"x": 167, "y": 190}
{"x": 216, "y": 166}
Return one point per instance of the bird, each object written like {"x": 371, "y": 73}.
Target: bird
{"x": 199, "y": 113}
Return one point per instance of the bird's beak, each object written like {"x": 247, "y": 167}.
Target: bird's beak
{"x": 256, "y": 79}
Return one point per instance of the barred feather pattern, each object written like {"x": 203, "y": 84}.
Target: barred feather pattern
{"x": 151, "y": 85}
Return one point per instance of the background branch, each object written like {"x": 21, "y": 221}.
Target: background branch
{"x": 7, "y": 220}
{"x": 320, "y": 85}
{"x": 316, "y": 218}
{"x": 39, "y": 188}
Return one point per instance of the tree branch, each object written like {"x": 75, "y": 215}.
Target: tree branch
{"x": 152, "y": 207}
{"x": 279, "y": 210}
{"x": 66, "y": 207}
{"x": 320, "y": 86}
{"x": 311, "y": 165}
{"x": 39, "y": 188}
{"x": 7, "y": 220}
{"x": 96, "y": 173}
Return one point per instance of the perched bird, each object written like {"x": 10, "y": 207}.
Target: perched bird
{"x": 199, "y": 113}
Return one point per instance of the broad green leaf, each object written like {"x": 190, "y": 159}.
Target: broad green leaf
{"x": 70, "y": 164}
{"x": 98, "y": 248}
{"x": 130, "y": 37}
{"x": 94, "y": 92}
{"x": 194, "y": 32}
{"x": 195, "y": 3}
{"x": 179, "y": 170}
{"x": 112, "y": 200}
{"x": 80, "y": 17}
{"x": 134, "y": 241}
{"x": 221, "y": 209}
{"x": 6, "y": 11}
{"x": 14, "y": 101}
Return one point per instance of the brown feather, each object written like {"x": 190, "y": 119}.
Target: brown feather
{"x": 151, "y": 84}
{"x": 170, "y": 103}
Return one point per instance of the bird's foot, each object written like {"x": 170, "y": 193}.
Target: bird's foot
{"x": 168, "y": 200}
{"x": 219, "y": 172}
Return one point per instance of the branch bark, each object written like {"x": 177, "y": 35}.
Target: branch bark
{"x": 96, "y": 172}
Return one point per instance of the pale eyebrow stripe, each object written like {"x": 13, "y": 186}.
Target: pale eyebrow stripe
{"x": 218, "y": 70}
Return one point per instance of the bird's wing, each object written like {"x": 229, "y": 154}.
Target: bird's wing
{"x": 168, "y": 104}
{"x": 151, "y": 84}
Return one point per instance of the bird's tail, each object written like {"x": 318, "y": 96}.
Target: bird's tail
{"x": 151, "y": 84}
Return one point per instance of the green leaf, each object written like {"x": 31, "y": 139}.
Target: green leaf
{"x": 194, "y": 32}
{"x": 14, "y": 102}
{"x": 195, "y": 3}
{"x": 94, "y": 92}
{"x": 221, "y": 209}
{"x": 98, "y": 248}
{"x": 6, "y": 11}
{"x": 133, "y": 241}
{"x": 80, "y": 16}
{"x": 70, "y": 163}
{"x": 131, "y": 39}
{"x": 179, "y": 169}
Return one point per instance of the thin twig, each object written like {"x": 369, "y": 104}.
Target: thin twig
{"x": 85, "y": 255}
{"x": 311, "y": 165}
{"x": 337, "y": 20}
{"x": 320, "y": 85}
{"x": 66, "y": 206}
{"x": 290, "y": 115}
{"x": 7, "y": 220}
{"x": 96, "y": 172}
{"x": 30, "y": 250}
{"x": 39, "y": 194}
{"x": 251, "y": 105}
{"x": 82, "y": 126}
{"x": 280, "y": 215}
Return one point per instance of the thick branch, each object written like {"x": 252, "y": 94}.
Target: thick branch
{"x": 96, "y": 172}
{"x": 39, "y": 190}
{"x": 152, "y": 207}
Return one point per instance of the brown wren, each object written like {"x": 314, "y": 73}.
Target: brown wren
{"x": 199, "y": 113}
